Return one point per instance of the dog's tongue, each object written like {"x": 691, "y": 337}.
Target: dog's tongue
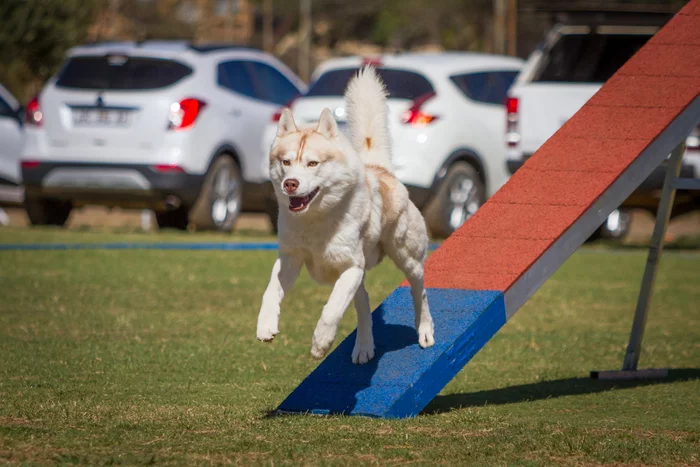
{"x": 296, "y": 202}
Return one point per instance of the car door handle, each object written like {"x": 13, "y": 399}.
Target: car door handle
{"x": 235, "y": 112}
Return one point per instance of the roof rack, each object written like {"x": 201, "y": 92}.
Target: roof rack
{"x": 217, "y": 47}
{"x": 170, "y": 45}
{"x": 610, "y": 6}
{"x": 617, "y": 18}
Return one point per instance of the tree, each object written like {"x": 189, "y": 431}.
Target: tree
{"x": 154, "y": 20}
{"x": 34, "y": 37}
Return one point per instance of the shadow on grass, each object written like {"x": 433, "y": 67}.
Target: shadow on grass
{"x": 680, "y": 245}
{"x": 547, "y": 390}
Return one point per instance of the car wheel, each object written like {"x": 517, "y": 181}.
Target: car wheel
{"x": 174, "y": 219}
{"x": 273, "y": 213}
{"x": 220, "y": 200}
{"x": 47, "y": 211}
{"x": 457, "y": 198}
{"x": 616, "y": 226}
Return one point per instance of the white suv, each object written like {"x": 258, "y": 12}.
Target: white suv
{"x": 562, "y": 75}
{"x": 162, "y": 125}
{"x": 447, "y": 118}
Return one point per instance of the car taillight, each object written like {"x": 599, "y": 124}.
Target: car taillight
{"x": 414, "y": 116}
{"x": 692, "y": 142}
{"x": 168, "y": 168}
{"x": 277, "y": 115}
{"x": 372, "y": 61}
{"x": 33, "y": 114}
{"x": 512, "y": 134}
{"x": 29, "y": 164}
{"x": 184, "y": 113}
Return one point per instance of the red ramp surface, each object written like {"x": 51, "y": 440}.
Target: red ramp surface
{"x": 647, "y": 107}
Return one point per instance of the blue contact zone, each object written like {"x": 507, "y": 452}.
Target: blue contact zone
{"x": 402, "y": 378}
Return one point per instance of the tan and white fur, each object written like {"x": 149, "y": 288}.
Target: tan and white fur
{"x": 341, "y": 211}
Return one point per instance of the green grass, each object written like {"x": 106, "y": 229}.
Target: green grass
{"x": 150, "y": 357}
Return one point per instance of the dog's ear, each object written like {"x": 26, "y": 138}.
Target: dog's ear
{"x": 286, "y": 124}
{"x": 327, "y": 125}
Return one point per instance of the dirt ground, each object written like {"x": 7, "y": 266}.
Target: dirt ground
{"x": 99, "y": 218}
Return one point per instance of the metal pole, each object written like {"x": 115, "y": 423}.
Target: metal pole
{"x": 657, "y": 242}
{"x": 513, "y": 27}
{"x": 499, "y": 26}
{"x": 304, "y": 38}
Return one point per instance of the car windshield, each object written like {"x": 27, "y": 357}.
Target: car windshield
{"x": 400, "y": 84}
{"x": 118, "y": 72}
{"x": 589, "y": 58}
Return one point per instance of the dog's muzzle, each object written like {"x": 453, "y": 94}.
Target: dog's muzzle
{"x": 299, "y": 203}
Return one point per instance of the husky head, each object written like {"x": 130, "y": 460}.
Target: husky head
{"x": 311, "y": 168}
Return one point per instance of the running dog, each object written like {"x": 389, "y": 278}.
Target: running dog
{"x": 340, "y": 211}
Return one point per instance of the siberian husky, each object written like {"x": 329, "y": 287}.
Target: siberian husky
{"x": 340, "y": 211}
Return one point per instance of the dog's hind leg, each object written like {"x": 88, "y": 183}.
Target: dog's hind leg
{"x": 284, "y": 274}
{"x": 364, "y": 342}
{"x": 408, "y": 250}
{"x": 413, "y": 268}
{"x": 343, "y": 291}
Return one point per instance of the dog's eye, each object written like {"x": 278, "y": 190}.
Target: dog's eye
{"x": 286, "y": 162}
{"x": 312, "y": 164}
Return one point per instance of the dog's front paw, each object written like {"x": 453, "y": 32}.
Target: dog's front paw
{"x": 323, "y": 338}
{"x": 267, "y": 333}
{"x": 363, "y": 352}
{"x": 426, "y": 336}
{"x": 267, "y": 327}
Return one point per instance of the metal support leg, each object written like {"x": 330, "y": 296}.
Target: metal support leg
{"x": 634, "y": 348}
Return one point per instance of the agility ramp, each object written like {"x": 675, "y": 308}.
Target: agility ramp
{"x": 485, "y": 271}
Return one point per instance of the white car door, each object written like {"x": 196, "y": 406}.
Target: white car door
{"x": 11, "y": 140}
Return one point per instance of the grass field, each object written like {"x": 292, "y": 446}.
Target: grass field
{"x": 139, "y": 357}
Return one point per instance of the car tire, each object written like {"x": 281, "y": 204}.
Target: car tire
{"x": 47, "y": 211}
{"x": 457, "y": 198}
{"x": 173, "y": 219}
{"x": 221, "y": 198}
{"x": 616, "y": 227}
{"x": 273, "y": 213}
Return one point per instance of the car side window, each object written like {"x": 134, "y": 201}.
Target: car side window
{"x": 489, "y": 87}
{"x": 271, "y": 85}
{"x": 5, "y": 109}
{"x": 234, "y": 76}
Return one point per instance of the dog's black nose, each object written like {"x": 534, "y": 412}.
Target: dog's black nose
{"x": 291, "y": 185}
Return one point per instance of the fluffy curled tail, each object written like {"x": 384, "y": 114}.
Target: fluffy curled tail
{"x": 368, "y": 119}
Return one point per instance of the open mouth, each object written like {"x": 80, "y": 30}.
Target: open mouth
{"x": 299, "y": 203}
